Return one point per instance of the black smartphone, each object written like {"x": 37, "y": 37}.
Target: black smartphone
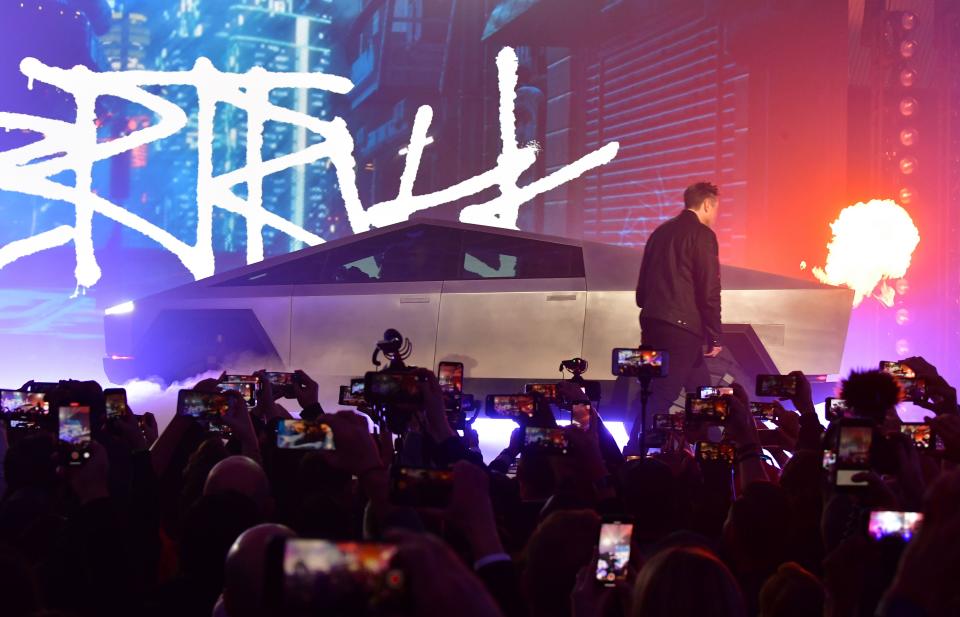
{"x": 283, "y": 385}
{"x": 613, "y": 550}
{"x": 116, "y": 403}
{"x": 854, "y": 441}
{"x": 304, "y": 435}
{"x": 74, "y": 433}
{"x": 309, "y": 577}
{"x": 421, "y": 488}
{"x": 206, "y": 407}
{"x": 707, "y": 409}
{"x": 246, "y": 385}
{"x": 780, "y": 386}
{"x": 628, "y": 362}
{"x": 24, "y": 410}
{"x": 764, "y": 411}
{"x": 720, "y": 452}
{"x": 347, "y": 397}
{"x": 668, "y": 422}
{"x": 714, "y": 391}
{"x": 835, "y": 408}
{"x": 389, "y": 388}
{"x": 450, "y": 377}
{"x": 545, "y": 440}
{"x": 547, "y": 391}
{"x": 510, "y": 405}
{"x": 892, "y": 523}
{"x": 897, "y": 369}
{"x": 920, "y": 434}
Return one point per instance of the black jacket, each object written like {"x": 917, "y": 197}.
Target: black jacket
{"x": 680, "y": 277}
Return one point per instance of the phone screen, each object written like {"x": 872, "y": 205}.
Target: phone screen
{"x": 668, "y": 421}
{"x": 75, "y": 432}
{"x": 344, "y": 578}
{"x": 886, "y": 523}
{"x": 547, "y": 390}
{"x": 207, "y": 407}
{"x": 783, "y": 386}
{"x": 421, "y": 488}
{"x": 631, "y": 362}
{"x": 283, "y": 385}
{"x": 450, "y": 376}
{"x": 304, "y": 435}
{"x": 715, "y": 391}
{"x": 246, "y": 385}
{"x": 853, "y": 454}
{"x": 721, "y": 452}
{"x": 510, "y": 405}
{"x": 764, "y": 411}
{"x": 387, "y": 388}
{"x": 919, "y": 433}
{"x": 835, "y": 408}
{"x": 546, "y": 440}
{"x": 116, "y": 403}
{"x": 707, "y": 409}
{"x": 14, "y": 401}
{"x": 613, "y": 553}
{"x": 347, "y": 397}
{"x": 897, "y": 369}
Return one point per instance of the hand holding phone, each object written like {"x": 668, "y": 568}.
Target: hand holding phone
{"x": 855, "y": 440}
{"x": 74, "y": 433}
{"x": 779, "y": 386}
{"x": 545, "y": 440}
{"x": 716, "y": 452}
{"x": 421, "y": 488}
{"x": 115, "y": 400}
{"x": 513, "y": 406}
{"x": 630, "y": 362}
{"x": 304, "y": 435}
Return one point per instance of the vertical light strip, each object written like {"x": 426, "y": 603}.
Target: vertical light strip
{"x": 302, "y": 97}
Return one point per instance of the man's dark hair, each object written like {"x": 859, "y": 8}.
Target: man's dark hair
{"x": 871, "y": 393}
{"x": 696, "y": 193}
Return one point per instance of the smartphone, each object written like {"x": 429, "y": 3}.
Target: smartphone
{"x": 546, "y": 390}
{"x": 613, "y": 551}
{"x": 707, "y": 409}
{"x": 304, "y": 435}
{"x": 510, "y": 405}
{"x": 388, "y": 388}
{"x": 116, "y": 403}
{"x": 835, "y": 408}
{"x": 829, "y": 462}
{"x": 246, "y": 385}
{"x": 421, "y": 488}
{"x": 207, "y": 407}
{"x": 545, "y": 440}
{"x": 639, "y": 362}
{"x": 307, "y": 576}
{"x": 887, "y": 523}
{"x": 347, "y": 397}
{"x": 715, "y": 391}
{"x": 283, "y": 385}
{"x": 764, "y": 411}
{"x": 450, "y": 376}
{"x": 24, "y": 410}
{"x": 780, "y": 386}
{"x": 721, "y": 452}
{"x": 897, "y": 369}
{"x": 74, "y": 433}
{"x": 668, "y": 422}
{"x": 854, "y": 440}
{"x": 919, "y": 433}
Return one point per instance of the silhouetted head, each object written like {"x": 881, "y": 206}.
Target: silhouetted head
{"x": 686, "y": 582}
{"x": 560, "y": 546}
{"x": 244, "y": 575}
{"x": 791, "y": 592}
{"x": 871, "y": 394}
{"x": 242, "y": 475}
{"x": 703, "y": 198}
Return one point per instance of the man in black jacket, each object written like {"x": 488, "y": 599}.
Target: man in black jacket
{"x": 679, "y": 294}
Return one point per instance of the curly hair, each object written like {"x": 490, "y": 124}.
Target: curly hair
{"x": 871, "y": 393}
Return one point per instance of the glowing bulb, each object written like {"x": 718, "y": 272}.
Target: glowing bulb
{"x": 908, "y": 165}
{"x": 908, "y": 48}
{"x": 903, "y": 316}
{"x": 906, "y": 195}
{"x": 903, "y": 347}
{"x": 908, "y": 77}
{"x": 908, "y": 137}
{"x": 908, "y": 106}
{"x": 908, "y": 21}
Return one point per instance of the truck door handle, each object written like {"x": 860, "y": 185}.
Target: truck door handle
{"x": 414, "y": 299}
{"x": 561, "y": 297}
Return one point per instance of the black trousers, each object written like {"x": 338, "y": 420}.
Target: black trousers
{"x": 686, "y": 369}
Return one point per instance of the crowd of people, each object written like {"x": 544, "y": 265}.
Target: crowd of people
{"x": 226, "y": 523}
